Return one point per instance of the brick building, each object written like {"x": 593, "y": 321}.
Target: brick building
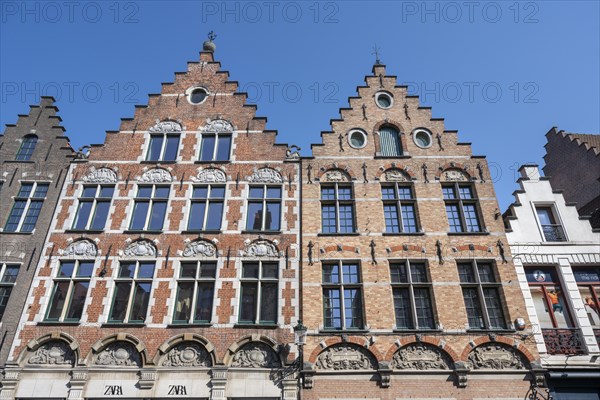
{"x": 171, "y": 267}
{"x": 408, "y": 285}
{"x": 35, "y": 156}
{"x": 557, "y": 259}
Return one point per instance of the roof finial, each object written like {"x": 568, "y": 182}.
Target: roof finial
{"x": 209, "y": 45}
{"x": 376, "y": 53}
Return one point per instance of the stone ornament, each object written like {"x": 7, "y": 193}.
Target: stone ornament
{"x": 396, "y": 175}
{"x": 187, "y": 355}
{"x": 100, "y": 175}
{"x": 421, "y": 356}
{"x": 80, "y": 248}
{"x": 266, "y": 175}
{"x": 200, "y": 247}
{"x": 217, "y": 126}
{"x": 496, "y": 356}
{"x": 166, "y": 127}
{"x": 156, "y": 175}
{"x": 55, "y": 353}
{"x": 122, "y": 354}
{"x": 260, "y": 248}
{"x": 345, "y": 357}
{"x": 336, "y": 175}
{"x": 255, "y": 355}
{"x": 454, "y": 175}
{"x": 210, "y": 175}
{"x": 140, "y": 248}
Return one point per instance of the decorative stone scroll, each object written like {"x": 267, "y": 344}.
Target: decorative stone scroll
{"x": 454, "y": 175}
{"x": 100, "y": 175}
{"x": 266, "y": 175}
{"x": 187, "y": 354}
{"x": 140, "y": 248}
{"x": 496, "y": 356}
{"x": 54, "y": 353}
{"x": 200, "y": 248}
{"x": 80, "y": 248}
{"x": 396, "y": 175}
{"x": 336, "y": 175}
{"x": 345, "y": 356}
{"x": 421, "y": 356}
{"x": 217, "y": 126}
{"x": 255, "y": 355}
{"x": 156, "y": 175}
{"x": 260, "y": 248}
{"x": 210, "y": 175}
{"x": 119, "y": 354}
{"x": 166, "y": 127}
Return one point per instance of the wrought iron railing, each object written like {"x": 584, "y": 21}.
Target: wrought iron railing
{"x": 564, "y": 341}
{"x": 554, "y": 233}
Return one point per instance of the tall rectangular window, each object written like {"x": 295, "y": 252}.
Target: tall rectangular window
{"x": 70, "y": 290}
{"x": 150, "y": 208}
{"x": 195, "y": 291}
{"x": 399, "y": 208}
{"x": 27, "y": 147}
{"x": 259, "y": 296}
{"x": 264, "y": 208}
{"x": 206, "y": 208}
{"x": 163, "y": 147}
{"x": 588, "y": 282}
{"x": 411, "y": 288}
{"x": 215, "y": 147}
{"x": 552, "y": 230}
{"x": 461, "y": 207}
{"x": 342, "y": 296}
{"x": 481, "y": 294}
{"x": 93, "y": 207}
{"x": 132, "y": 292}
{"x": 548, "y": 298}
{"x": 337, "y": 208}
{"x": 8, "y": 277}
{"x": 27, "y": 207}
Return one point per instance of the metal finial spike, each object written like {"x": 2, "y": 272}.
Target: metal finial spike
{"x": 375, "y": 52}
{"x": 212, "y": 35}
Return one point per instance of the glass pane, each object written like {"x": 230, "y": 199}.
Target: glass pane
{"x": 273, "y": 217}
{"x": 100, "y": 216}
{"x": 389, "y": 141}
{"x": 161, "y": 192}
{"x": 448, "y": 193}
{"x": 453, "y": 218}
{"x": 172, "y": 148}
{"x": 4, "y": 297}
{"x": 40, "y": 191}
{"x": 418, "y": 272}
{"x": 352, "y": 308}
{"x": 392, "y": 222}
{"x": 250, "y": 270}
{"x": 256, "y": 192}
{"x": 83, "y": 214}
{"x": 350, "y": 272}
{"x": 494, "y": 308}
{"x": 208, "y": 148}
{"x": 388, "y": 193}
{"x": 145, "y": 191}
{"x": 587, "y": 274}
{"x": 140, "y": 211}
{"x": 196, "y": 216}
{"x": 345, "y": 193}
{"x": 404, "y": 318}
{"x": 404, "y": 193}
{"x": 107, "y": 191}
{"x": 328, "y": 219}
{"x": 223, "y": 148}
{"x": 270, "y": 270}
{"x": 545, "y": 215}
{"x": 85, "y": 269}
{"x": 559, "y": 307}
{"x": 155, "y": 148}
{"x": 541, "y": 307}
{"x": 332, "y": 308}
{"x": 183, "y": 302}
{"x": 140, "y": 302}
{"x": 486, "y": 272}
{"x": 89, "y": 192}
{"x": 331, "y": 273}
{"x": 465, "y": 192}
{"x": 471, "y": 218}
{"x": 157, "y": 218}
{"x": 127, "y": 270}
{"x": 254, "y": 220}
{"x": 274, "y": 193}
{"x": 204, "y": 301}
{"x": 146, "y": 270}
{"x": 423, "y": 308}
{"x": 465, "y": 272}
{"x": 473, "y": 306}
{"x": 31, "y": 217}
{"x": 327, "y": 193}
{"x": 66, "y": 268}
{"x": 120, "y": 301}
{"x": 59, "y": 296}
{"x": 268, "y": 303}
{"x": 12, "y": 223}
{"x": 409, "y": 220}
{"x": 78, "y": 297}
{"x": 10, "y": 274}
{"x": 217, "y": 192}
{"x": 589, "y": 304}
{"x": 25, "y": 190}
{"x": 248, "y": 302}
{"x": 208, "y": 270}
{"x": 398, "y": 273}
{"x": 215, "y": 213}
{"x": 188, "y": 270}
{"x": 346, "y": 219}
{"x": 200, "y": 192}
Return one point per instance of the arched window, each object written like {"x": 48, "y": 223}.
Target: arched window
{"x": 27, "y": 148}
{"x": 389, "y": 138}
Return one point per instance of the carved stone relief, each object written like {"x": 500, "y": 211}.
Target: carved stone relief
{"x": 121, "y": 354}
{"x": 345, "y": 357}
{"x": 140, "y": 248}
{"x": 156, "y": 175}
{"x": 166, "y": 127}
{"x": 101, "y": 175}
{"x": 336, "y": 175}
{"x": 396, "y": 175}
{"x": 80, "y": 248}
{"x": 217, "y": 126}
{"x": 199, "y": 247}
{"x": 255, "y": 355}
{"x": 496, "y": 356}
{"x": 266, "y": 175}
{"x": 260, "y": 248}
{"x": 55, "y": 353}
{"x": 421, "y": 356}
{"x": 454, "y": 175}
{"x": 210, "y": 175}
{"x": 187, "y": 355}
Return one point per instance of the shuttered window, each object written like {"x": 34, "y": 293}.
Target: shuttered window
{"x": 389, "y": 138}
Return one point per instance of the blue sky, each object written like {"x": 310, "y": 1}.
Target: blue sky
{"x": 501, "y": 73}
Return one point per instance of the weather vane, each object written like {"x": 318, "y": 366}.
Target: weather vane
{"x": 212, "y": 36}
{"x": 376, "y": 51}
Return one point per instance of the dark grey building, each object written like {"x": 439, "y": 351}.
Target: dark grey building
{"x": 35, "y": 156}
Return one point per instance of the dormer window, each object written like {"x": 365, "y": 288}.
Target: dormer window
{"x": 551, "y": 229}
{"x": 27, "y": 147}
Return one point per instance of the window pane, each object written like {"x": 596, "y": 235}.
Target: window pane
{"x": 4, "y": 297}
{"x": 453, "y": 218}
{"x": 196, "y": 216}
{"x": 66, "y": 269}
{"x": 494, "y": 308}
{"x": 331, "y": 273}
{"x": 270, "y": 270}
{"x": 223, "y": 148}
{"x": 398, "y": 273}
{"x": 268, "y": 302}
{"x": 327, "y": 193}
{"x": 474, "y": 314}
{"x": 208, "y": 148}
{"x": 27, "y": 147}
{"x": 274, "y": 193}
{"x": 208, "y": 270}
{"x": 328, "y": 219}
{"x": 215, "y": 213}
{"x": 404, "y": 319}
{"x": 350, "y": 272}
{"x": 183, "y": 302}
{"x": 589, "y": 304}
{"x": 465, "y": 192}
{"x": 423, "y": 308}
{"x": 200, "y": 192}
{"x": 254, "y": 221}
{"x": 465, "y": 272}
{"x": 346, "y": 219}
{"x": 59, "y": 296}
{"x": 107, "y": 191}
{"x": 100, "y": 216}
{"x": 85, "y": 269}
{"x": 155, "y": 148}
{"x": 409, "y": 220}
{"x": 559, "y": 307}
{"x": 188, "y": 270}
{"x": 89, "y": 192}
{"x": 25, "y": 190}
{"x": 217, "y": 192}
{"x": 12, "y": 222}
{"x": 344, "y": 193}
{"x": 159, "y": 208}
{"x": 418, "y": 272}
{"x": 83, "y": 214}
{"x": 390, "y": 142}
{"x": 127, "y": 270}
{"x": 392, "y": 223}
{"x": 78, "y": 297}
{"x": 10, "y": 274}
{"x": 353, "y": 308}
{"x": 332, "y": 308}
{"x": 120, "y": 301}
{"x": 161, "y": 192}
{"x": 145, "y": 191}
{"x": 40, "y": 191}
{"x": 272, "y": 219}
{"x": 405, "y": 193}
{"x": 248, "y": 302}
{"x": 140, "y": 302}
{"x": 204, "y": 300}
{"x": 256, "y": 192}
{"x": 31, "y": 217}
{"x": 172, "y": 148}
{"x": 146, "y": 270}
{"x": 545, "y": 215}
{"x": 486, "y": 273}
{"x": 541, "y": 307}
{"x": 471, "y": 218}
{"x": 388, "y": 193}
{"x": 250, "y": 270}
{"x": 448, "y": 193}
{"x": 140, "y": 211}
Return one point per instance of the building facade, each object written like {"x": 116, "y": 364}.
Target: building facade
{"x": 171, "y": 268}
{"x": 35, "y": 156}
{"x": 408, "y": 284}
{"x": 557, "y": 258}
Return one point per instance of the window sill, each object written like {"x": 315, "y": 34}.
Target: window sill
{"x": 212, "y": 162}
{"x": 378, "y": 157}
{"x": 403, "y": 234}
{"x": 136, "y": 232}
{"x": 90, "y": 231}
{"x": 19, "y": 162}
{"x": 483, "y": 331}
{"x": 186, "y": 325}
{"x": 262, "y": 232}
{"x": 63, "y": 323}
{"x": 331, "y": 331}
{"x": 200, "y": 231}
{"x": 468, "y": 233}
{"x": 158, "y": 162}
{"x": 16, "y": 233}
{"x": 255, "y": 326}
{"x": 413, "y": 331}
{"x": 339, "y": 234}
{"x": 123, "y": 325}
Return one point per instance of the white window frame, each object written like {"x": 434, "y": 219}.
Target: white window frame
{"x": 132, "y": 290}
{"x": 151, "y": 200}
{"x": 94, "y": 202}
{"x": 69, "y": 298}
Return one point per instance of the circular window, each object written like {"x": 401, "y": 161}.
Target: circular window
{"x": 197, "y": 95}
{"x": 357, "y": 139}
{"x": 384, "y": 100}
{"x": 422, "y": 138}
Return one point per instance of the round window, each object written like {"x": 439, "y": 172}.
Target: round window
{"x": 383, "y": 100}
{"x": 357, "y": 139}
{"x": 198, "y": 95}
{"x": 422, "y": 138}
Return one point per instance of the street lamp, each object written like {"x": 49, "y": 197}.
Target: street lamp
{"x": 300, "y": 340}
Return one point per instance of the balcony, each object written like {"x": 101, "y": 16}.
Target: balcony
{"x": 554, "y": 233}
{"x": 564, "y": 341}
